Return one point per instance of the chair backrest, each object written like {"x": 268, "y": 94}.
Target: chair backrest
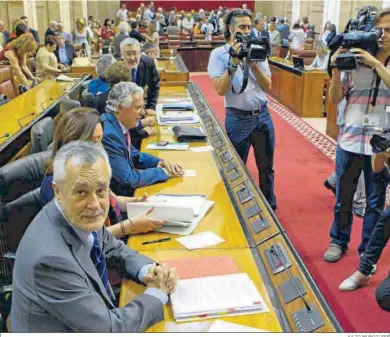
{"x": 6, "y": 86}
{"x": 22, "y": 176}
{"x": 174, "y": 37}
{"x": 42, "y": 134}
{"x": 17, "y": 215}
{"x": 173, "y": 44}
{"x": 68, "y": 103}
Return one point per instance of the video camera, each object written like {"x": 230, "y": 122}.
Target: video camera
{"x": 358, "y": 33}
{"x": 380, "y": 141}
{"x": 254, "y": 50}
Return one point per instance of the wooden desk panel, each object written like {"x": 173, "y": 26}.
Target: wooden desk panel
{"x": 246, "y": 264}
{"x": 332, "y": 129}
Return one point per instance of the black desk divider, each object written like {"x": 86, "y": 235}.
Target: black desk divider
{"x": 273, "y": 260}
{"x": 308, "y": 321}
{"x": 289, "y": 291}
{"x": 244, "y": 194}
{"x": 226, "y": 156}
{"x": 251, "y": 211}
{"x": 259, "y": 225}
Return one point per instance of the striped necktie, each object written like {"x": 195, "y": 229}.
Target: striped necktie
{"x": 99, "y": 261}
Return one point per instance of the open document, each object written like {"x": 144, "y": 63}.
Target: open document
{"x": 169, "y": 117}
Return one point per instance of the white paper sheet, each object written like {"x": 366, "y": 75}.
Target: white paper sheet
{"x": 202, "y": 149}
{"x": 187, "y": 327}
{"x": 200, "y": 240}
{"x": 64, "y": 78}
{"x": 169, "y": 147}
{"x": 189, "y": 173}
{"x": 223, "y": 326}
{"x": 182, "y": 117}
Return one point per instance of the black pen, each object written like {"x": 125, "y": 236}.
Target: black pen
{"x": 155, "y": 241}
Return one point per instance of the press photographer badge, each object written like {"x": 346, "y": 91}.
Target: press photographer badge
{"x": 371, "y": 120}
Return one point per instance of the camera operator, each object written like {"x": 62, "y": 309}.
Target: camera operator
{"x": 248, "y": 121}
{"x": 354, "y": 150}
{"x": 376, "y": 244}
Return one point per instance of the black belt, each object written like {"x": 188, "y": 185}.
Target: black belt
{"x": 246, "y": 113}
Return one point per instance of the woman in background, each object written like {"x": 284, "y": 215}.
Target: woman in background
{"x": 81, "y": 35}
{"x": 298, "y": 37}
{"x": 325, "y": 31}
{"x": 331, "y": 35}
{"x": 107, "y": 31}
{"x": 322, "y": 57}
{"x": 153, "y": 37}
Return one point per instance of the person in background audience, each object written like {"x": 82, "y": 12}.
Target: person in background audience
{"x": 197, "y": 28}
{"x": 305, "y": 23}
{"x": 332, "y": 34}
{"x": 135, "y": 34}
{"x": 32, "y": 31}
{"x": 245, "y": 8}
{"x": 248, "y": 121}
{"x": 274, "y": 38}
{"x": 85, "y": 124}
{"x": 4, "y": 35}
{"x": 147, "y": 16}
{"x": 65, "y": 52}
{"x": 51, "y": 30}
{"x": 266, "y": 23}
{"x": 141, "y": 9}
{"x": 161, "y": 23}
{"x": 100, "y": 85}
{"x": 124, "y": 33}
{"x": 116, "y": 26}
{"x": 258, "y": 30}
{"x": 131, "y": 169}
{"x": 107, "y": 31}
{"x": 82, "y": 35}
{"x": 188, "y": 23}
{"x": 46, "y": 60}
{"x": 60, "y": 29}
{"x": 149, "y": 49}
{"x": 18, "y": 28}
{"x": 61, "y": 269}
{"x": 172, "y": 19}
{"x": 322, "y": 57}
{"x": 284, "y": 30}
{"x": 153, "y": 37}
{"x": 325, "y": 32}
{"x": 172, "y": 28}
{"x": 122, "y": 13}
{"x": 16, "y": 53}
{"x": 143, "y": 71}
{"x": 297, "y": 35}
{"x": 207, "y": 28}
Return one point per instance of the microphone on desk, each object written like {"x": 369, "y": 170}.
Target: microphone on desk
{"x": 6, "y": 135}
{"x": 25, "y": 116}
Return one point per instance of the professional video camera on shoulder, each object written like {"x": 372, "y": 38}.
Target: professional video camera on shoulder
{"x": 253, "y": 50}
{"x": 358, "y": 33}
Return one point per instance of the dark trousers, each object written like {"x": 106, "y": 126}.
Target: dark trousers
{"x": 382, "y": 294}
{"x": 258, "y": 131}
{"x": 378, "y": 240}
{"x": 348, "y": 168}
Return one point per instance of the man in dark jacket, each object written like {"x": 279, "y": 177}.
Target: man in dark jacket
{"x": 65, "y": 52}
{"x": 51, "y": 30}
{"x": 32, "y": 31}
{"x": 143, "y": 71}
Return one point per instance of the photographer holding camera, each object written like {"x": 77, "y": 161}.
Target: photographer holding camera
{"x": 248, "y": 121}
{"x": 361, "y": 119}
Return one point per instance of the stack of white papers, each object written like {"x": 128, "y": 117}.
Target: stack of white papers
{"x": 223, "y": 326}
{"x": 169, "y": 147}
{"x": 176, "y": 117}
{"x": 216, "y": 296}
{"x": 64, "y": 78}
{"x": 183, "y": 213}
{"x": 200, "y": 240}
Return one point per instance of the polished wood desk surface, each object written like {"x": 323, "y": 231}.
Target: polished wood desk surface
{"x": 167, "y": 65}
{"x": 36, "y": 100}
{"x": 246, "y": 264}
{"x": 221, "y": 218}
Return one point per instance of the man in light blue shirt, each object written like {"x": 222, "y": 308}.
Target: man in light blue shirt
{"x": 248, "y": 121}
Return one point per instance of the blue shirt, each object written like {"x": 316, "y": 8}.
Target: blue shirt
{"x": 87, "y": 240}
{"x": 64, "y": 59}
{"x": 98, "y": 85}
{"x": 253, "y": 97}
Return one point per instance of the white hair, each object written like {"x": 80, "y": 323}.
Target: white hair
{"x": 103, "y": 63}
{"x": 79, "y": 152}
{"x": 53, "y": 24}
{"x": 122, "y": 93}
{"x": 124, "y": 27}
{"x": 129, "y": 42}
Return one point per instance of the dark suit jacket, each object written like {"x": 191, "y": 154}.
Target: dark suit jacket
{"x": 49, "y": 32}
{"x": 137, "y": 35}
{"x": 147, "y": 75}
{"x": 117, "y": 43}
{"x": 69, "y": 51}
{"x": 56, "y": 287}
{"x": 263, "y": 34}
{"x": 35, "y": 34}
{"x": 129, "y": 170}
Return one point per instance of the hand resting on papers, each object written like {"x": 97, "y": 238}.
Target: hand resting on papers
{"x": 161, "y": 277}
{"x": 172, "y": 170}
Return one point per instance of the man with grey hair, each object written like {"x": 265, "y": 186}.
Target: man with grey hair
{"x": 51, "y": 30}
{"x": 123, "y": 34}
{"x": 143, "y": 71}
{"x": 100, "y": 85}
{"x": 60, "y": 29}
{"x": 131, "y": 169}
{"x": 60, "y": 279}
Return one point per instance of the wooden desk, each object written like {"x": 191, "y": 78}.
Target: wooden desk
{"x": 332, "y": 129}
{"x": 251, "y": 216}
{"x": 41, "y": 101}
{"x": 86, "y": 70}
{"x": 300, "y": 91}
{"x": 246, "y": 264}
{"x": 173, "y": 70}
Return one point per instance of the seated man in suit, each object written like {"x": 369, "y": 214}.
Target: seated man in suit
{"x": 258, "y": 30}
{"x": 130, "y": 168}
{"x": 60, "y": 281}
{"x": 65, "y": 52}
{"x": 143, "y": 70}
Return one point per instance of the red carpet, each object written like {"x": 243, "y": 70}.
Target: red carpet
{"x": 305, "y": 210}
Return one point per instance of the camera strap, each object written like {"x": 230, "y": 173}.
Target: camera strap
{"x": 245, "y": 78}
{"x": 378, "y": 81}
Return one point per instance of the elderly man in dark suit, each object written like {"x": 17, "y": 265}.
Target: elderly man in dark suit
{"x": 130, "y": 168}
{"x": 65, "y": 52}
{"x": 143, "y": 70}
{"x": 60, "y": 281}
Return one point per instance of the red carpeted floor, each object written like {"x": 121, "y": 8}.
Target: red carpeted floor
{"x": 305, "y": 210}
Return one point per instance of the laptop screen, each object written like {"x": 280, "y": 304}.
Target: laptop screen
{"x": 298, "y": 62}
